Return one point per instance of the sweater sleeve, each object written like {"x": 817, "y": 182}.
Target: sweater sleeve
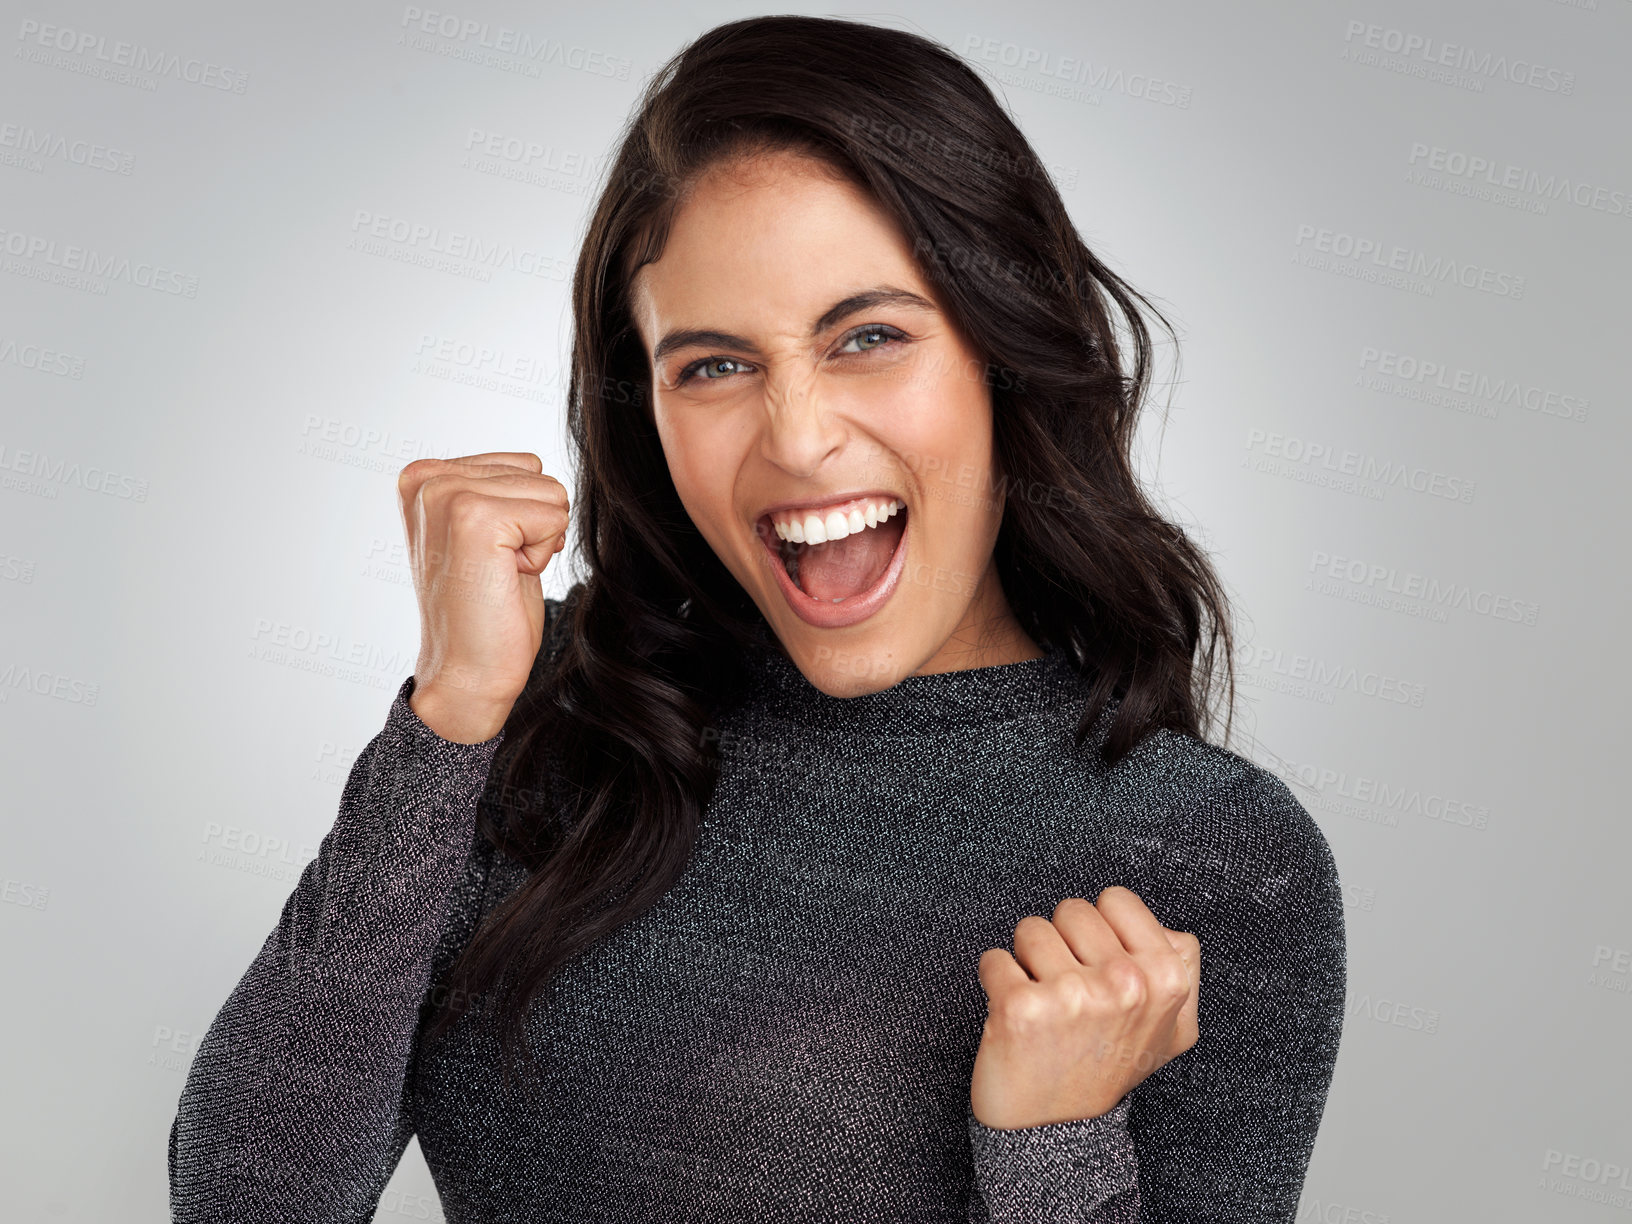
{"x": 295, "y": 1106}
{"x": 1083, "y": 1171}
{"x": 1225, "y": 1131}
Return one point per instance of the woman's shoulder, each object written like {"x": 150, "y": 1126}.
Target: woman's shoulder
{"x": 1219, "y": 816}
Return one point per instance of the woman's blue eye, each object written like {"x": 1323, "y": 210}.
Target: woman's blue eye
{"x": 878, "y": 333}
{"x": 886, "y": 333}
{"x": 706, "y": 363}
{"x": 715, "y": 361}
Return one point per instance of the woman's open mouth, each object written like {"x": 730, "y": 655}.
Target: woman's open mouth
{"x": 837, "y": 564}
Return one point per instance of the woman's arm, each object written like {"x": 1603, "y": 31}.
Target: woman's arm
{"x": 294, "y": 1109}
{"x": 1223, "y": 1132}
{"x": 1084, "y": 1172}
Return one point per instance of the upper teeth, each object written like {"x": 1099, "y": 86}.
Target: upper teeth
{"x": 835, "y": 525}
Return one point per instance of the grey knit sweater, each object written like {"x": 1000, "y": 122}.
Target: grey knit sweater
{"x": 789, "y": 1035}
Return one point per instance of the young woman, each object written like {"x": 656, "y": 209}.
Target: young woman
{"x": 881, "y": 662}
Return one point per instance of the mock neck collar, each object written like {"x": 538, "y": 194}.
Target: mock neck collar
{"x": 920, "y": 704}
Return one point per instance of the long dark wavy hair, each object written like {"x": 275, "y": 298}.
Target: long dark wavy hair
{"x": 607, "y": 764}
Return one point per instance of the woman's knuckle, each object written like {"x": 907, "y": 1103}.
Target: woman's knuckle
{"x": 463, "y": 506}
{"x": 1072, "y": 903}
{"x": 1027, "y": 1010}
{"x": 1125, "y": 982}
{"x": 1175, "y": 983}
{"x": 1071, "y": 994}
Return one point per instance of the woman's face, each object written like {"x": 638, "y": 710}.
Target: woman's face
{"x": 805, "y": 377}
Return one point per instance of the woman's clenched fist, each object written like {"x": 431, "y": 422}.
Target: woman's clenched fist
{"x": 1107, "y": 995}
{"x": 480, "y": 531}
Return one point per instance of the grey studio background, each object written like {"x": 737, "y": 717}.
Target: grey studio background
{"x": 256, "y": 261}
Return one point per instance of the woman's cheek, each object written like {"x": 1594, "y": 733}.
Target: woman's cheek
{"x": 904, "y": 416}
{"x": 950, "y": 437}
{"x": 685, "y": 442}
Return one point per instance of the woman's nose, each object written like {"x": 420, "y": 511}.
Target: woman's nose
{"x": 797, "y": 431}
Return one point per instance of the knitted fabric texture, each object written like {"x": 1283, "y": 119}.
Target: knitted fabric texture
{"x": 789, "y": 1034}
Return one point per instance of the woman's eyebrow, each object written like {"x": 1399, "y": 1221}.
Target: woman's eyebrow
{"x": 866, "y": 299}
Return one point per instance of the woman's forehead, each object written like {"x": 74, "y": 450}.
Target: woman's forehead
{"x": 768, "y": 248}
